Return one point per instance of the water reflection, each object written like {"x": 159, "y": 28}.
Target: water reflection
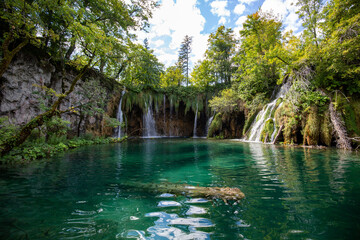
{"x": 291, "y": 193}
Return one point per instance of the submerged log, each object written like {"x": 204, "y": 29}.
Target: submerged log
{"x": 225, "y": 194}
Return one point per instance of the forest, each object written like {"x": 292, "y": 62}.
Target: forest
{"x": 92, "y": 45}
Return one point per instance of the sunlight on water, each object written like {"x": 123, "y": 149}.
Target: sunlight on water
{"x": 108, "y": 192}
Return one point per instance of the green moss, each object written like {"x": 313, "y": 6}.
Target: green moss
{"x": 325, "y": 129}
{"x": 267, "y": 131}
{"x": 216, "y": 125}
{"x": 249, "y": 121}
{"x": 312, "y": 127}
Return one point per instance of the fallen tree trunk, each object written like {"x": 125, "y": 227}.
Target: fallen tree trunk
{"x": 192, "y": 191}
{"x": 278, "y": 134}
{"x": 342, "y": 140}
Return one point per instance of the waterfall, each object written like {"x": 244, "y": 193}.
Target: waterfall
{"x": 164, "y": 107}
{"x": 260, "y": 121}
{"x": 170, "y": 117}
{"x": 265, "y": 114}
{"x": 195, "y": 121}
{"x": 208, "y": 123}
{"x": 120, "y": 116}
{"x": 149, "y": 121}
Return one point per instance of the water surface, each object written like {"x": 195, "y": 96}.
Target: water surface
{"x": 89, "y": 193}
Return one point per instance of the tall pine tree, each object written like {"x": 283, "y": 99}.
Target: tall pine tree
{"x": 184, "y": 54}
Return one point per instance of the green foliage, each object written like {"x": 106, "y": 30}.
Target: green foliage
{"x": 258, "y": 60}
{"x": 171, "y": 77}
{"x": 312, "y": 127}
{"x": 349, "y": 112}
{"x": 112, "y": 122}
{"x": 7, "y": 129}
{"x": 215, "y": 126}
{"x": 267, "y": 130}
{"x": 202, "y": 74}
{"x": 144, "y": 69}
{"x": 226, "y": 102}
{"x": 221, "y": 47}
{"x": 249, "y": 120}
{"x": 57, "y": 126}
{"x": 35, "y": 151}
{"x": 184, "y": 54}
{"x": 326, "y": 129}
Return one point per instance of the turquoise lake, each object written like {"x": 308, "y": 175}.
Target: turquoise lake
{"x": 89, "y": 193}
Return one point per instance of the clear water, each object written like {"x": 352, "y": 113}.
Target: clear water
{"x": 291, "y": 193}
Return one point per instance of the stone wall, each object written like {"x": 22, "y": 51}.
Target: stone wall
{"x": 31, "y": 67}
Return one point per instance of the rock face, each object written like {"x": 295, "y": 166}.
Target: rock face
{"x": 169, "y": 122}
{"x": 19, "y": 99}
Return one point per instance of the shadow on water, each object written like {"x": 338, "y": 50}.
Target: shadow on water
{"x": 291, "y": 193}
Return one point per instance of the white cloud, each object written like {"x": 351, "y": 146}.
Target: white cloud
{"x": 241, "y": 20}
{"x": 286, "y": 10}
{"x": 158, "y": 42}
{"x": 247, "y": 1}
{"x": 222, "y": 21}
{"x": 239, "y": 25}
{"x": 171, "y": 22}
{"x": 218, "y": 7}
{"x": 239, "y": 9}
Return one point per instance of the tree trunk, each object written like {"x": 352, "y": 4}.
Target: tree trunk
{"x": 342, "y": 139}
{"x": 9, "y": 55}
{"x": 278, "y": 134}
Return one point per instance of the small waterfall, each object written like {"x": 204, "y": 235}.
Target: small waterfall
{"x": 149, "y": 121}
{"x": 195, "y": 121}
{"x": 170, "y": 118}
{"x": 260, "y": 121}
{"x": 208, "y": 123}
{"x": 265, "y": 114}
{"x": 164, "y": 108}
{"x": 120, "y": 116}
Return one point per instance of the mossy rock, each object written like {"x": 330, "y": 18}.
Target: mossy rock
{"x": 326, "y": 129}
{"x": 267, "y": 131}
{"x": 216, "y": 125}
{"x": 312, "y": 127}
{"x": 249, "y": 121}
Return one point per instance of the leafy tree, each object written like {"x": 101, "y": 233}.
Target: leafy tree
{"x": 226, "y": 102}
{"x": 184, "y": 54}
{"x": 221, "y": 47}
{"x": 97, "y": 30}
{"x": 173, "y": 76}
{"x": 144, "y": 69}
{"x": 202, "y": 74}
{"x": 339, "y": 68}
{"x": 258, "y": 60}
{"x": 310, "y": 12}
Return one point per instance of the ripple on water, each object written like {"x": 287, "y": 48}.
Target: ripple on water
{"x": 166, "y": 195}
{"x": 196, "y": 210}
{"x": 197, "y": 200}
{"x": 168, "y": 204}
{"x": 166, "y": 227}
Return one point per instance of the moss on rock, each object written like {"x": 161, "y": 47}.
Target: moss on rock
{"x": 267, "y": 131}
{"x": 312, "y": 127}
{"x": 216, "y": 125}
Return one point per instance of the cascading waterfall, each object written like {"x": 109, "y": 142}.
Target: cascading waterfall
{"x": 260, "y": 121}
{"x": 149, "y": 121}
{"x": 195, "y": 121}
{"x": 208, "y": 123}
{"x": 164, "y": 110}
{"x": 170, "y": 118}
{"x": 266, "y": 114}
{"x": 120, "y": 116}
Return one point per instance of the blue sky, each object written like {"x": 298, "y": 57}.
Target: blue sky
{"x": 198, "y": 18}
